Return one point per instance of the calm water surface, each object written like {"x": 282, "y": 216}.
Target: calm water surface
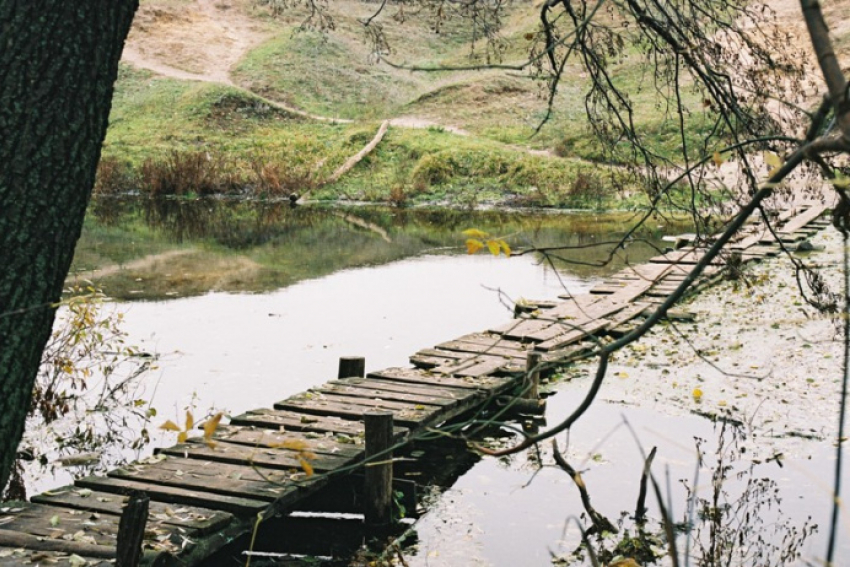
{"x": 248, "y": 305}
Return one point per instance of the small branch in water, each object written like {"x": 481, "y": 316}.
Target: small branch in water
{"x": 601, "y": 524}
{"x": 640, "y": 510}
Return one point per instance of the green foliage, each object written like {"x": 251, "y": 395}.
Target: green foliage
{"x": 87, "y": 407}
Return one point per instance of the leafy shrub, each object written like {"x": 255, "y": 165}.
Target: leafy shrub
{"x": 114, "y": 177}
{"x": 86, "y": 408}
{"x": 185, "y": 173}
{"x": 434, "y": 169}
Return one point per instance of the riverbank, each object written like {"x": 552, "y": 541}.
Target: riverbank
{"x": 756, "y": 354}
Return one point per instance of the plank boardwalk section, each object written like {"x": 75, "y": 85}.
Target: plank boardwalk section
{"x": 202, "y": 497}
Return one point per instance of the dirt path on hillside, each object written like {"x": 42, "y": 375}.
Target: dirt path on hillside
{"x": 202, "y": 41}
{"x": 205, "y": 40}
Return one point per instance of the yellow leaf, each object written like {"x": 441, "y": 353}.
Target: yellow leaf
{"x": 308, "y": 468}
{"x": 182, "y": 436}
{"x": 505, "y": 248}
{"x": 697, "y": 394}
{"x": 473, "y": 246}
{"x": 475, "y": 233}
{"x": 211, "y": 425}
{"x": 190, "y": 420}
{"x": 211, "y": 444}
{"x": 293, "y": 444}
{"x": 170, "y": 426}
{"x": 494, "y": 247}
{"x": 717, "y": 159}
{"x": 773, "y": 160}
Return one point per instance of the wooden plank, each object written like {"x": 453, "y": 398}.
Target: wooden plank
{"x": 199, "y": 520}
{"x": 606, "y": 289}
{"x": 282, "y": 488}
{"x": 484, "y": 365}
{"x": 372, "y": 383}
{"x": 490, "y": 348}
{"x": 263, "y": 457}
{"x": 572, "y": 352}
{"x": 19, "y": 540}
{"x": 574, "y": 336}
{"x": 63, "y": 529}
{"x": 558, "y": 328}
{"x": 519, "y": 328}
{"x": 627, "y": 314}
{"x": 218, "y": 478}
{"x": 354, "y": 408}
{"x": 300, "y": 421}
{"x": 15, "y": 556}
{"x": 319, "y": 443}
{"x": 433, "y": 358}
{"x": 383, "y": 394}
{"x": 608, "y": 305}
{"x": 803, "y": 219}
{"x": 494, "y": 384}
{"x": 50, "y": 522}
{"x": 513, "y": 348}
{"x": 429, "y": 362}
{"x": 686, "y": 257}
{"x": 235, "y": 505}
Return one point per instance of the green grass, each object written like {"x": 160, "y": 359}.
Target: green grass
{"x": 153, "y": 117}
{"x": 331, "y": 75}
{"x": 323, "y": 75}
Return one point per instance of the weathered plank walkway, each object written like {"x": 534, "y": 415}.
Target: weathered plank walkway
{"x": 202, "y": 497}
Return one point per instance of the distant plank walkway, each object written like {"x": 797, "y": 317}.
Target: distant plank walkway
{"x": 203, "y": 497}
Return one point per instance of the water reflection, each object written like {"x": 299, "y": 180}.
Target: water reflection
{"x": 163, "y": 248}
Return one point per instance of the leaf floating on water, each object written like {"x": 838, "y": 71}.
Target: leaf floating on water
{"x": 697, "y": 394}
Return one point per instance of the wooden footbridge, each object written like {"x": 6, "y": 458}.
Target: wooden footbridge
{"x": 202, "y": 496}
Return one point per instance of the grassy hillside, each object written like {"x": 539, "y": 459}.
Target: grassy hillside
{"x": 237, "y": 133}
{"x": 241, "y": 132}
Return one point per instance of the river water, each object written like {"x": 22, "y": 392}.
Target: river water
{"x": 246, "y": 305}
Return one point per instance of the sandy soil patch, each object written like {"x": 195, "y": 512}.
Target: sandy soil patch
{"x": 202, "y": 40}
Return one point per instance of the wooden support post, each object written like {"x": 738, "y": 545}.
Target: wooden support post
{"x": 532, "y": 375}
{"x": 378, "y": 489}
{"x": 352, "y": 367}
{"x": 131, "y": 530}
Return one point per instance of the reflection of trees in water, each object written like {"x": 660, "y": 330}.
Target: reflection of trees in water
{"x": 241, "y": 225}
{"x": 110, "y": 211}
{"x": 181, "y": 219}
{"x": 233, "y": 224}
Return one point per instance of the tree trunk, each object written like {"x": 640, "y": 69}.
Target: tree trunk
{"x": 58, "y": 65}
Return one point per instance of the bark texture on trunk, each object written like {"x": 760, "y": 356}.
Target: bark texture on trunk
{"x": 58, "y": 65}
